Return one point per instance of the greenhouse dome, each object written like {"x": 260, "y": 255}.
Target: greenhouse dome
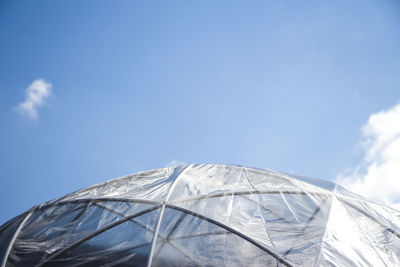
{"x": 211, "y": 215}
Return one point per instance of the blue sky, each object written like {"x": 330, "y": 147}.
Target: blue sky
{"x": 136, "y": 85}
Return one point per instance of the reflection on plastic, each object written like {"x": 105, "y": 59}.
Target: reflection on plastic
{"x": 212, "y": 215}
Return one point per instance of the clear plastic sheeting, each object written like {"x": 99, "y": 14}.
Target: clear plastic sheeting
{"x": 205, "y": 215}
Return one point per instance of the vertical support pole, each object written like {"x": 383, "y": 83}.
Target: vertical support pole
{"x": 154, "y": 241}
{"x": 10, "y": 246}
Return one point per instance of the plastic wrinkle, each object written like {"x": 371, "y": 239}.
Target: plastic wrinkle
{"x": 205, "y": 215}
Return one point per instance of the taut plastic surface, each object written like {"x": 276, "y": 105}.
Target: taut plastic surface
{"x": 212, "y": 215}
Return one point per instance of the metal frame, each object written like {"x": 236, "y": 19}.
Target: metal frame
{"x": 185, "y": 211}
{"x": 10, "y": 246}
{"x": 160, "y": 216}
{"x": 77, "y": 243}
{"x": 128, "y": 218}
{"x": 171, "y": 205}
{"x": 165, "y": 239}
{"x": 226, "y": 227}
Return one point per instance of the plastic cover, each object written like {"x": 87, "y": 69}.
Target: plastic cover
{"x": 213, "y": 215}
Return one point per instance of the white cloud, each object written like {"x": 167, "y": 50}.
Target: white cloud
{"x": 36, "y": 94}
{"x": 175, "y": 162}
{"x": 378, "y": 176}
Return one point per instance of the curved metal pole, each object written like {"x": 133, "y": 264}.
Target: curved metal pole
{"x": 344, "y": 199}
{"x": 261, "y": 192}
{"x": 160, "y": 216}
{"x": 390, "y": 230}
{"x": 94, "y": 200}
{"x": 150, "y": 230}
{"x": 15, "y": 237}
{"x": 77, "y": 243}
{"x": 226, "y": 227}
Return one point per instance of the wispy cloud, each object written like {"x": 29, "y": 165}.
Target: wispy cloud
{"x": 36, "y": 94}
{"x": 378, "y": 176}
{"x": 175, "y": 162}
